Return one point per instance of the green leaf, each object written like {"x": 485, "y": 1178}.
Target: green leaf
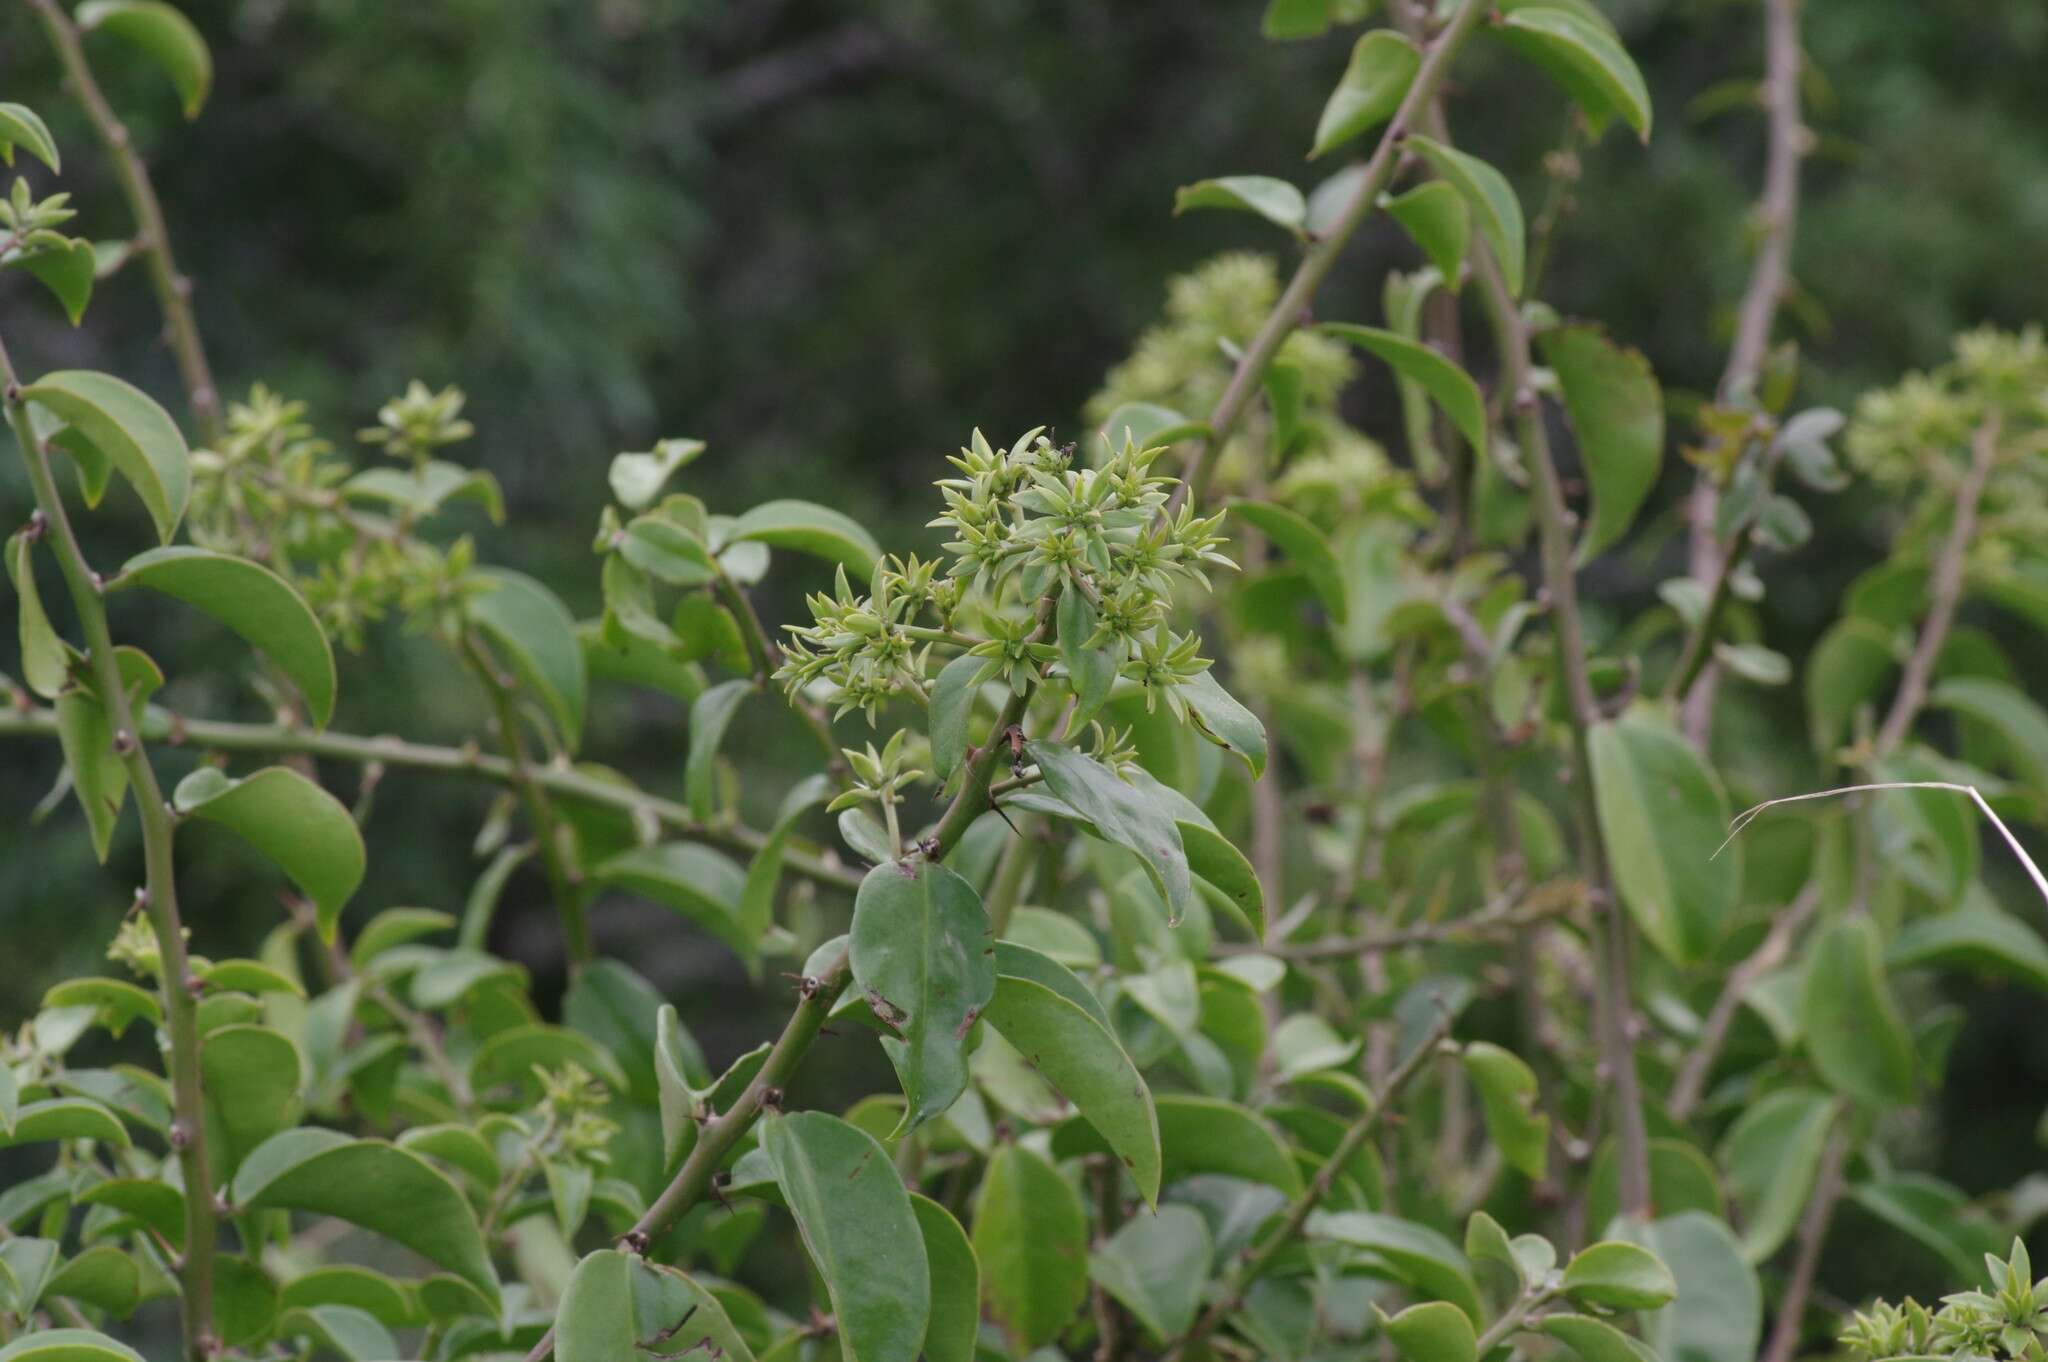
{"x": 663, "y": 1298}
{"x": 421, "y": 492}
{"x": 250, "y": 1077}
{"x": 1121, "y": 814}
{"x": 1616, "y": 1275}
{"x": 1031, "y": 1237}
{"x": 1419, "y": 1255}
{"x": 1975, "y": 937}
{"x": 349, "y": 1333}
{"x": 65, "y": 266}
{"x": 1495, "y": 210}
{"x": 1080, "y": 1057}
{"x": 956, "y": 1283}
{"x": 1854, "y": 1033}
{"x": 619, "y": 655}
{"x": 1204, "y": 1135}
{"x": 67, "y": 1345}
{"x": 164, "y": 34}
{"x": 1274, "y": 200}
{"x": 130, "y": 431}
{"x": 65, "y": 1118}
{"x": 764, "y": 872}
{"x": 1594, "y": 1340}
{"x": 246, "y": 976}
{"x": 923, "y": 955}
{"x": 1617, "y": 411}
{"x": 1449, "y": 386}
{"x": 1382, "y": 67}
{"x": 43, "y": 663}
{"x": 1933, "y": 1214}
{"x": 254, "y": 602}
{"x": 1436, "y": 215}
{"x": 951, "y": 708}
{"x": 1718, "y": 1314}
{"x": 10, "y": 1099}
{"x": 1156, "y": 1265}
{"x": 663, "y": 549}
{"x": 155, "y": 1204}
{"x": 101, "y": 1276}
{"x": 1148, "y": 425}
{"x": 1584, "y": 58}
{"x": 534, "y": 631}
{"x": 594, "y": 1322}
{"x": 510, "y": 1056}
{"x": 459, "y": 1147}
{"x": 1508, "y": 1092}
{"x": 385, "y": 1300}
{"x": 381, "y": 1188}
{"x": 1287, "y": 20}
{"x": 857, "y": 1222}
{"x": 395, "y": 927}
{"x": 637, "y": 479}
{"x": 1435, "y": 1331}
{"x": 115, "y": 1002}
{"x": 710, "y": 715}
{"x": 306, "y": 831}
{"x": 1090, "y": 671}
{"x": 1847, "y": 669}
{"x": 1772, "y": 1154}
{"x": 21, "y": 126}
{"x": 2021, "y": 725}
{"x": 696, "y": 881}
{"x": 1026, "y": 962}
{"x": 1662, "y": 816}
{"x": 26, "y": 1264}
{"x": 1228, "y": 724}
{"x": 1297, "y": 537}
{"x": 809, "y": 528}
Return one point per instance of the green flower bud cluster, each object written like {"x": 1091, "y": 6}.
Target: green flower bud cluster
{"x": 1916, "y": 439}
{"x": 1024, "y": 523}
{"x": 23, "y": 215}
{"x": 569, "y": 1120}
{"x": 276, "y": 492}
{"x": 417, "y": 422}
{"x": 2008, "y": 1321}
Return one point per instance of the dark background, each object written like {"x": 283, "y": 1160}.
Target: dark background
{"x": 831, "y": 239}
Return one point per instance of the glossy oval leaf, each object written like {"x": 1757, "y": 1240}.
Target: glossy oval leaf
{"x": 1417, "y": 1254}
{"x": 1508, "y": 1096}
{"x": 950, "y": 1334}
{"x": 372, "y": 1184}
{"x": 923, "y": 955}
{"x": 1225, "y": 722}
{"x": 806, "y": 527}
{"x": 130, "y": 431}
{"x": 856, "y": 1221}
{"x": 306, "y": 831}
{"x": 1662, "y": 817}
{"x": 1086, "y": 1064}
{"x": 1854, "y": 1033}
{"x": 710, "y": 714}
{"x": 1436, "y": 216}
{"x": 1119, "y": 813}
{"x": 594, "y": 1321}
{"x": 1449, "y": 386}
{"x": 43, "y": 662}
{"x": 1435, "y": 1331}
{"x": 253, "y": 601}
{"x": 1375, "y": 81}
{"x": 250, "y": 1077}
{"x": 1975, "y": 937}
{"x": 1583, "y": 57}
{"x": 1031, "y": 1238}
{"x": 165, "y": 35}
{"x": 1495, "y": 209}
{"x": 1156, "y": 1264}
{"x": 68, "y": 268}
{"x": 67, "y": 1345}
{"x": 1617, "y": 412}
{"x": 700, "y": 883}
{"x": 1297, "y": 537}
{"x": 1772, "y": 1154}
{"x": 23, "y": 127}
{"x": 65, "y": 1118}
{"x": 536, "y": 635}
{"x": 1617, "y": 1275}
{"x": 1274, "y": 200}
{"x": 1718, "y": 1314}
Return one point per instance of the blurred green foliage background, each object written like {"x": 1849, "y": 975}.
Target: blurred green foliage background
{"x": 831, "y": 239}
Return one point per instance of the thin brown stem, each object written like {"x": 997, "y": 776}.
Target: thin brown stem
{"x": 173, "y": 289}
{"x": 1293, "y": 308}
{"x": 1828, "y": 1186}
{"x": 1229, "y": 1293}
{"x": 158, "y": 897}
{"x": 1691, "y": 1082}
{"x": 1945, "y": 591}
{"x": 26, "y": 720}
{"x": 1553, "y": 522}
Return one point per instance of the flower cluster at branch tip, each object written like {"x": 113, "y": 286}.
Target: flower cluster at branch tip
{"x": 416, "y": 423}
{"x": 570, "y": 1125}
{"x": 2008, "y": 1321}
{"x": 276, "y": 492}
{"x": 1915, "y": 439}
{"x": 1025, "y": 523}
{"x": 24, "y": 217}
